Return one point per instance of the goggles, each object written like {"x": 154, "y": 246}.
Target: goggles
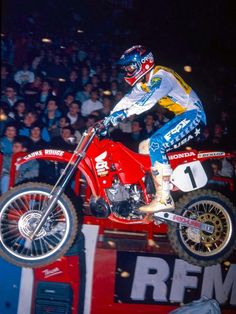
{"x": 129, "y": 69}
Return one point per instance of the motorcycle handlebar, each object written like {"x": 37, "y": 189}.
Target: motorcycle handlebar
{"x": 102, "y": 126}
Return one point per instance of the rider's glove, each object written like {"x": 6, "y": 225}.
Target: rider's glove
{"x": 115, "y": 117}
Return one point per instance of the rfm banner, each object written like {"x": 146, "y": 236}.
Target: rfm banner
{"x": 164, "y": 279}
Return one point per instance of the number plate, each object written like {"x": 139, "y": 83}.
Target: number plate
{"x": 189, "y": 176}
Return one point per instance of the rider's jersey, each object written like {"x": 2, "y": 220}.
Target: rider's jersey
{"x": 165, "y": 87}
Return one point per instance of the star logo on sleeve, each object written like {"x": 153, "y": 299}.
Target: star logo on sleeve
{"x": 197, "y": 132}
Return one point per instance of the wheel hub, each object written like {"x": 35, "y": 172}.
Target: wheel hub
{"x": 198, "y": 236}
{"x": 28, "y": 222}
{"x": 215, "y": 221}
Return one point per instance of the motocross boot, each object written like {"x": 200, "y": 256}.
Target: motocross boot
{"x": 162, "y": 201}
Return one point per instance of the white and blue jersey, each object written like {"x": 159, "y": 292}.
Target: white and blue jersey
{"x": 170, "y": 91}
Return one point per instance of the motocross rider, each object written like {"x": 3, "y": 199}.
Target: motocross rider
{"x": 152, "y": 84}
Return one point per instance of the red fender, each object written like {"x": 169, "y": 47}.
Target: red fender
{"x": 53, "y": 155}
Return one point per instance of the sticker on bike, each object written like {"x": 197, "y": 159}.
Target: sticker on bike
{"x": 189, "y": 176}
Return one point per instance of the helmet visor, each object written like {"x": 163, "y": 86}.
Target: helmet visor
{"x": 129, "y": 69}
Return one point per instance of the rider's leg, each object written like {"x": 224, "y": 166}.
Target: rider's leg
{"x": 162, "y": 201}
{"x": 161, "y": 172}
{"x": 172, "y": 135}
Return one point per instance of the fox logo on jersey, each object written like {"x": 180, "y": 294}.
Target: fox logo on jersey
{"x": 177, "y": 129}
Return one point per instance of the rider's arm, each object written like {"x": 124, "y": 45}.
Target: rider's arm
{"x": 139, "y": 101}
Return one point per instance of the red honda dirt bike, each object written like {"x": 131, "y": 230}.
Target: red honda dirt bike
{"x": 38, "y": 222}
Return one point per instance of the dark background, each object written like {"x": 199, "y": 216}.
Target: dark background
{"x": 179, "y": 31}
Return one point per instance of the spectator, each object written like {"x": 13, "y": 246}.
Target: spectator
{"x": 19, "y": 111}
{"x": 84, "y": 95}
{"x": 29, "y": 170}
{"x": 114, "y": 87}
{"x": 205, "y": 138}
{"x": 227, "y": 169}
{"x": 36, "y": 141}
{"x": 10, "y": 95}
{"x": 125, "y": 125}
{"x": 6, "y": 141}
{"x": 136, "y": 133}
{"x": 45, "y": 94}
{"x": 74, "y": 109}
{"x": 6, "y": 148}
{"x": 92, "y": 104}
{"x": 46, "y": 168}
{"x": 66, "y": 140}
{"x": 221, "y": 168}
{"x": 29, "y": 119}
{"x": 5, "y": 119}
{"x": 84, "y": 78}
{"x": 90, "y": 120}
{"x": 161, "y": 119}
{"x": 24, "y": 75}
{"x": 71, "y": 85}
{"x": 64, "y": 121}
{"x": 51, "y": 115}
{"x": 76, "y": 120}
{"x": 69, "y": 98}
{"x": 36, "y": 63}
{"x": 149, "y": 126}
{"x": 95, "y": 81}
{"x": 26, "y": 171}
{"x": 136, "y": 136}
{"x": 107, "y": 106}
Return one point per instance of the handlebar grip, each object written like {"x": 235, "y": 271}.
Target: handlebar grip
{"x": 106, "y": 122}
{"x": 102, "y": 126}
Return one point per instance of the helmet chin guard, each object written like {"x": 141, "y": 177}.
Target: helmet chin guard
{"x": 136, "y": 62}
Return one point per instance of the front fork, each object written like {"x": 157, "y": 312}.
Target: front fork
{"x": 64, "y": 178}
{"x": 184, "y": 221}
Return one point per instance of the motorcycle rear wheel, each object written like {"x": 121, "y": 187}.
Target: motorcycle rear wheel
{"x": 21, "y": 209}
{"x": 199, "y": 247}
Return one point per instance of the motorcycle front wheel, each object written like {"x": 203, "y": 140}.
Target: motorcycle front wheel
{"x": 200, "y": 247}
{"x": 21, "y": 210}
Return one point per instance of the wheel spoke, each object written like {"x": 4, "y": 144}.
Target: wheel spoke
{"x": 16, "y": 208}
{"x": 25, "y": 206}
{"x": 211, "y": 213}
{"x": 11, "y": 236}
{"x": 18, "y": 219}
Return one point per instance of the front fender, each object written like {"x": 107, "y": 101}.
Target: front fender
{"x": 56, "y": 155}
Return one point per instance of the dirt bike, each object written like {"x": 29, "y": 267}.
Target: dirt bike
{"x": 38, "y": 222}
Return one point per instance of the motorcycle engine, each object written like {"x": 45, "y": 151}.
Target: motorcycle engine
{"x": 124, "y": 198}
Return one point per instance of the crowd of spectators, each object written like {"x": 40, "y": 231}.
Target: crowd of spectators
{"x": 54, "y": 89}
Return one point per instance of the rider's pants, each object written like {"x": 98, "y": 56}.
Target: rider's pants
{"x": 175, "y": 133}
